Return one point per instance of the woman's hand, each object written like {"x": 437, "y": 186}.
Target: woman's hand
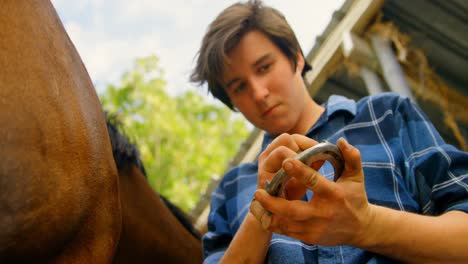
{"x": 338, "y": 212}
{"x": 271, "y": 160}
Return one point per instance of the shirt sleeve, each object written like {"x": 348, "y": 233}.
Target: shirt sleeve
{"x": 229, "y": 205}
{"x": 217, "y": 239}
{"x": 438, "y": 171}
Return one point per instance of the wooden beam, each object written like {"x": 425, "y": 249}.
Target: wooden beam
{"x": 330, "y": 54}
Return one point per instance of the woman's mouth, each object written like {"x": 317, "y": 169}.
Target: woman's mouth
{"x": 269, "y": 110}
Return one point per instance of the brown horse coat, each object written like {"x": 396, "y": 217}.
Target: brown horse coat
{"x": 58, "y": 184}
{"x": 59, "y": 190}
{"x": 60, "y": 197}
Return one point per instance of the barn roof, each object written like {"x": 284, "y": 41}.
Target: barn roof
{"x": 437, "y": 29}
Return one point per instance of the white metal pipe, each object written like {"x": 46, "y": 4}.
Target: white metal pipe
{"x": 371, "y": 80}
{"x": 391, "y": 68}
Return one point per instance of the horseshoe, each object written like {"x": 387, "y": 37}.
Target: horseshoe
{"x": 322, "y": 151}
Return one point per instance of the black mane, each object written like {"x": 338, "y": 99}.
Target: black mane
{"x": 126, "y": 154}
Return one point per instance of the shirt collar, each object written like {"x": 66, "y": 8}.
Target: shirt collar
{"x": 335, "y": 103}
{"x": 339, "y": 103}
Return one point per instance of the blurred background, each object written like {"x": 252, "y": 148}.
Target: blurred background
{"x": 139, "y": 55}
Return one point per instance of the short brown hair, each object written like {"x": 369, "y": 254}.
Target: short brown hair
{"x": 225, "y": 32}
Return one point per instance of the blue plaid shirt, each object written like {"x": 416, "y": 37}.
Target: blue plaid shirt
{"x": 407, "y": 166}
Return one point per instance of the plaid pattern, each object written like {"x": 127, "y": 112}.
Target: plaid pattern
{"x": 407, "y": 166}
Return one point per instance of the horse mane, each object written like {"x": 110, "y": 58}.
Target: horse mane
{"x": 126, "y": 154}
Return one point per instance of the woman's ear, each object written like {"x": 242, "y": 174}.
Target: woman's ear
{"x": 300, "y": 62}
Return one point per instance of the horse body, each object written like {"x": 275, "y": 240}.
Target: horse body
{"x": 149, "y": 235}
{"x": 59, "y": 190}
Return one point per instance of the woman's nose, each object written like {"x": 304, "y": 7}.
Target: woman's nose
{"x": 259, "y": 90}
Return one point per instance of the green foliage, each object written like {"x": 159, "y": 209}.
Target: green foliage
{"x": 183, "y": 140}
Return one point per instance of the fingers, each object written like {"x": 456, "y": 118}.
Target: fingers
{"x": 282, "y": 140}
{"x": 303, "y": 142}
{"x": 261, "y": 214}
{"x": 315, "y": 181}
{"x": 309, "y": 220}
{"x": 309, "y": 177}
{"x": 282, "y": 147}
{"x": 352, "y": 157}
{"x": 288, "y": 218}
{"x": 294, "y": 189}
{"x": 297, "y": 210}
{"x": 272, "y": 163}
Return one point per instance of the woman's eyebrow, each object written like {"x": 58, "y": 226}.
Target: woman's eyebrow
{"x": 261, "y": 60}
{"x": 231, "y": 82}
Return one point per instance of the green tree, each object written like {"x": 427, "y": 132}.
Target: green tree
{"x": 183, "y": 140}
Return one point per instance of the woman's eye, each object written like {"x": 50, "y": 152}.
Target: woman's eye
{"x": 239, "y": 88}
{"x": 264, "y": 67}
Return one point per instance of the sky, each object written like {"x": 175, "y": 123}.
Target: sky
{"x": 110, "y": 34}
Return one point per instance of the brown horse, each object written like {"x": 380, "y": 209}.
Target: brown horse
{"x": 60, "y": 196}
